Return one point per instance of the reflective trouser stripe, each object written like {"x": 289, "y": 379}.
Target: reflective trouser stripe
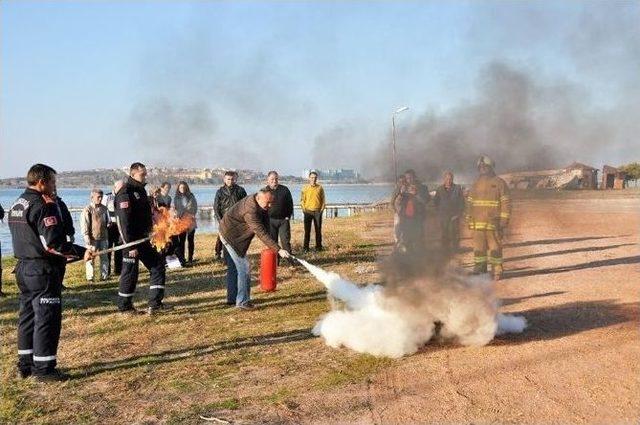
{"x": 156, "y": 287}
{"x": 504, "y": 215}
{"x": 495, "y": 260}
{"x": 125, "y": 295}
{"x": 43, "y": 358}
{"x": 24, "y": 352}
{"x": 480, "y": 225}
{"x": 480, "y": 203}
{"x": 479, "y": 259}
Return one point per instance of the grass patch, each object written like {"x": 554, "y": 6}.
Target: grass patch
{"x": 202, "y": 358}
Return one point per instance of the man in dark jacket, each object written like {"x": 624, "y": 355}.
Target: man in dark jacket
{"x": 281, "y": 211}
{"x": 226, "y": 197}
{"x": 133, "y": 215}
{"x": 240, "y": 224}
{"x": 2, "y": 294}
{"x": 40, "y": 244}
{"x": 449, "y": 203}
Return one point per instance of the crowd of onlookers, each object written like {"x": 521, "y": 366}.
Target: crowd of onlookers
{"x": 100, "y": 231}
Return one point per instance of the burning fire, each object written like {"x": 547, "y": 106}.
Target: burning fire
{"x": 166, "y": 225}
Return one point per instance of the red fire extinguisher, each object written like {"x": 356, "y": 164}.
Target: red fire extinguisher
{"x": 268, "y": 265}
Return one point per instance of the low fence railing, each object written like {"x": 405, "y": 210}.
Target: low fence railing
{"x": 332, "y": 210}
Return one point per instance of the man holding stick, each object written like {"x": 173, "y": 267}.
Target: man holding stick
{"x": 40, "y": 244}
{"x": 134, "y": 218}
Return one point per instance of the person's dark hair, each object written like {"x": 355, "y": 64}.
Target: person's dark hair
{"x": 97, "y": 190}
{"x": 313, "y": 173}
{"x": 39, "y": 172}
{"x": 265, "y": 189}
{"x": 272, "y": 172}
{"x": 186, "y": 186}
{"x": 164, "y": 184}
{"x": 230, "y": 173}
{"x": 136, "y": 166}
{"x": 411, "y": 171}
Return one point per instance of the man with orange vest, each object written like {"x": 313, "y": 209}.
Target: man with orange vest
{"x": 488, "y": 209}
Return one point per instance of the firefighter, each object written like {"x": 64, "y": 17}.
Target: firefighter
{"x": 134, "y": 219}
{"x": 42, "y": 249}
{"x": 488, "y": 208}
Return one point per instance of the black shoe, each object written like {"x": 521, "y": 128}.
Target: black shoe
{"x": 130, "y": 311}
{"x": 2, "y": 294}
{"x": 24, "y": 373}
{"x": 54, "y": 376}
{"x": 162, "y": 308}
{"x": 305, "y": 249}
{"x": 319, "y": 248}
{"x": 247, "y": 306}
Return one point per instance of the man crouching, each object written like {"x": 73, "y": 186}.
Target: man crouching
{"x": 247, "y": 218}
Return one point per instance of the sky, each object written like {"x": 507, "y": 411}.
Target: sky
{"x": 286, "y": 85}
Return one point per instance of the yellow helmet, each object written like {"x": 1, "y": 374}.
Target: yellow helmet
{"x": 485, "y": 160}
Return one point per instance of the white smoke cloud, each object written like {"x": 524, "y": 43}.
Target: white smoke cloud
{"x": 397, "y": 322}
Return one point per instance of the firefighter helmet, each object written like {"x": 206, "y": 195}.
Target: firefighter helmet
{"x": 486, "y": 161}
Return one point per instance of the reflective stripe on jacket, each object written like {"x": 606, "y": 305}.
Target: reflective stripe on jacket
{"x": 487, "y": 203}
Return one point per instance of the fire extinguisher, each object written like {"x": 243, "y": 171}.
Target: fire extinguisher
{"x": 268, "y": 265}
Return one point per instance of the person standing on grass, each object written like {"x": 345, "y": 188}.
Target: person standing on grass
{"x": 112, "y": 229}
{"x": 40, "y": 245}
{"x": 411, "y": 204}
{"x": 93, "y": 222}
{"x": 226, "y": 197}
{"x": 281, "y": 211}
{"x": 312, "y": 201}
{"x": 246, "y": 219}
{"x": 185, "y": 204}
{"x": 2, "y": 294}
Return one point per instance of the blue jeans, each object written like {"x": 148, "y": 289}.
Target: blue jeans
{"x": 238, "y": 276}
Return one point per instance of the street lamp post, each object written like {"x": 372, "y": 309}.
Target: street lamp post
{"x": 393, "y": 140}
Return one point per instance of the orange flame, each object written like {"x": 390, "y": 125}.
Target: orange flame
{"x": 166, "y": 225}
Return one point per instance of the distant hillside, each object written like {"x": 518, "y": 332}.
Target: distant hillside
{"x": 156, "y": 175}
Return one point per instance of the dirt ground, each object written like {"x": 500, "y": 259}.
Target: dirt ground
{"x": 572, "y": 271}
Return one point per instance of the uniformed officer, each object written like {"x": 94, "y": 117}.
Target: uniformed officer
{"x": 134, "y": 218}
{"x": 488, "y": 209}
{"x": 41, "y": 247}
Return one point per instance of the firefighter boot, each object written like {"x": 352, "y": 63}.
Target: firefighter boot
{"x": 497, "y": 272}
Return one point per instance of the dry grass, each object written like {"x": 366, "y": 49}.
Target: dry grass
{"x": 203, "y": 358}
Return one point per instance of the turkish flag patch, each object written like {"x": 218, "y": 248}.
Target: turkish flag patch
{"x": 124, "y": 204}
{"x": 50, "y": 221}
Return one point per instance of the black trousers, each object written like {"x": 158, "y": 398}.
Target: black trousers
{"x": 411, "y": 231}
{"x": 0, "y": 267}
{"x": 218, "y": 248}
{"x": 114, "y": 240}
{"x": 154, "y": 262}
{"x": 40, "y": 316}
{"x": 280, "y": 229}
{"x": 450, "y": 234}
{"x": 183, "y": 238}
{"x": 314, "y": 217}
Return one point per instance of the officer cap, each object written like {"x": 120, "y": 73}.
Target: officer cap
{"x": 485, "y": 160}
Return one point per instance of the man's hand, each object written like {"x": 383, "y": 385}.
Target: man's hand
{"x": 284, "y": 253}
{"x": 89, "y": 254}
{"x": 133, "y": 253}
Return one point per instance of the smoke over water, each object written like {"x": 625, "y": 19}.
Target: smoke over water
{"x": 397, "y": 321}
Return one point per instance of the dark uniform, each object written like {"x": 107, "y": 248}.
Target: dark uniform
{"x": 114, "y": 235}
{"x": 1, "y": 217}
{"x": 39, "y": 244}
{"x": 134, "y": 218}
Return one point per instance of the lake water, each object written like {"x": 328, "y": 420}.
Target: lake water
{"x": 78, "y": 198}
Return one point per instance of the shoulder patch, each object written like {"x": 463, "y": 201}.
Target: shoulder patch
{"x": 136, "y": 194}
{"x": 123, "y": 204}
{"x": 50, "y": 221}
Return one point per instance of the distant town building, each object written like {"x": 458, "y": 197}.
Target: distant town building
{"x": 335, "y": 175}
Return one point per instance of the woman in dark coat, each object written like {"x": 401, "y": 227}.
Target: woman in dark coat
{"x": 185, "y": 204}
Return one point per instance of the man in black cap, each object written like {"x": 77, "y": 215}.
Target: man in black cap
{"x": 40, "y": 244}
{"x": 134, "y": 218}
